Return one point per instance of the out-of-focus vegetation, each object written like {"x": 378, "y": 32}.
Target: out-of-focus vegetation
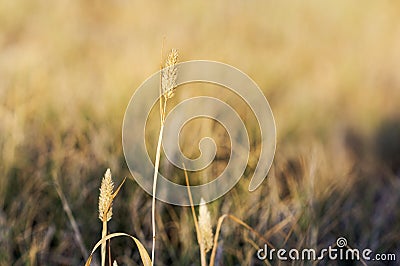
{"x": 330, "y": 71}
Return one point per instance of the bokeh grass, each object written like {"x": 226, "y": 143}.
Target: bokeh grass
{"x": 330, "y": 71}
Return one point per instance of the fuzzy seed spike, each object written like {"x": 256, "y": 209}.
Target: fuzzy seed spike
{"x": 106, "y": 197}
{"x": 169, "y": 74}
{"x": 205, "y": 226}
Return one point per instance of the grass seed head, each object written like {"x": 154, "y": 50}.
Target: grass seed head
{"x": 169, "y": 74}
{"x": 106, "y": 197}
{"x": 205, "y": 226}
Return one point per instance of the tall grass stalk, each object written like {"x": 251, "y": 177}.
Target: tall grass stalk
{"x": 104, "y": 244}
{"x": 167, "y": 86}
{"x": 153, "y": 203}
{"x": 196, "y": 224}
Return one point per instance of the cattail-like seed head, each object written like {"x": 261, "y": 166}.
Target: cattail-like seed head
{"x": 205, "y": 226}
{"x": 168, "y": 79}
{"x": 106, "y": 197}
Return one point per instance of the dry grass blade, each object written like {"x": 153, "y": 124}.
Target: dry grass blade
{"x": 118, "y": 189}
{"x": 142, "y": 251}
{"x": 113, "y": 195}
{"x": 238, "y": 221}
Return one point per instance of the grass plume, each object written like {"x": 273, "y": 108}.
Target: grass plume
{"x": 205, "y": 226}
{"x": 105, "y": 197}
{"x": 169, "y": 75}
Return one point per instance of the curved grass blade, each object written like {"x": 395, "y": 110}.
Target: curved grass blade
{"x": 142, "y": 251}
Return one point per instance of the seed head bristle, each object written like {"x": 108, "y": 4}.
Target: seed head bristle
{"x": 169, "y": 74}
{"x": 205, "y": 226}
{"x": 106, "y": 198}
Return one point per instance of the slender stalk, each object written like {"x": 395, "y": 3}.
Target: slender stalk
{"x": 196, "y": 224}
{"x": 165, "y": 94}
{"x": 161, "y": 67}
{"x": 104, "y": 244}
{"x": 109, "y": 252}
{"x": 164, "y": 111}
{"x": 153, "y": 203}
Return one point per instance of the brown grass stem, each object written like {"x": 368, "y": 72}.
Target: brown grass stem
{"x": 67, "y": 210}
{"x": 196, "y": 224}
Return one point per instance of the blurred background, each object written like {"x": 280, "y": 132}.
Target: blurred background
{"x": 330, "y": 71}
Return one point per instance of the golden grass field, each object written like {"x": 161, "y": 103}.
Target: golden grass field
{"x": 330, "y": 71}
